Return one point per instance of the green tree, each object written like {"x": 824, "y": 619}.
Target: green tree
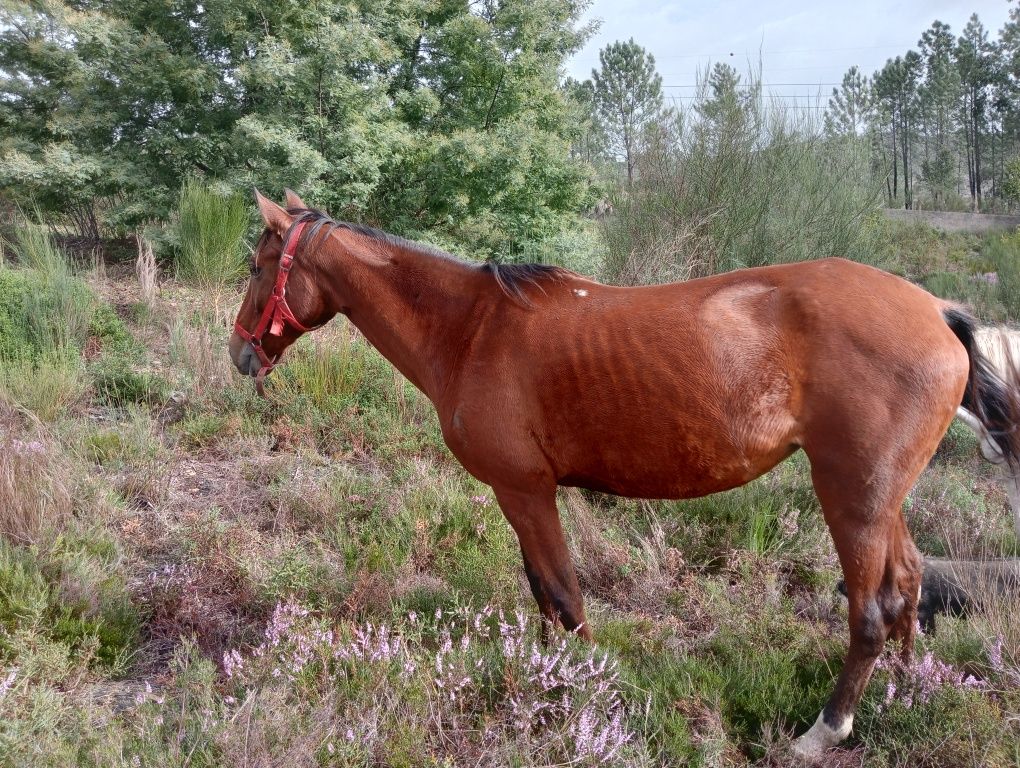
{"x": 435, "y": 118}
{"x": 850, "y": 106}
{"x": 1011, "y": 181}
{"x": 589, "y": 142}
{"x": 896, "y": 93}
{"x": 938, "y": 97}
{"x": 628, "y": 94}
{"x": 975, "y": 61}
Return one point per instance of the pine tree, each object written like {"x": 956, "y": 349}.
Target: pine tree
{"x": 850, "y": 106}
{"x": 628, "y": 95}
{"x": 896, "y": 93}
{"x": 976, "y": 66}
{"x": 938, "y": 98}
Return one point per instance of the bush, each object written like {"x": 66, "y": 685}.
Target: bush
{"x": 210, "y": 232}
{"x": 740, "y": 183}
{"x": 45, "y": 387}
{"x": 47, "y": 315}
{"x": 68, "y": 595}
{"x": 41, "y": 312}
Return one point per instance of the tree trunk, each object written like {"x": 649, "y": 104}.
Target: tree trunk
{"x": 954, "y": 586}
{"x": 905, "y": 144}
{"x": 895, "y": 164}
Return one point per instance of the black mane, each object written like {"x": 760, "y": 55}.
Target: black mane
{"x": 512, "y": 279}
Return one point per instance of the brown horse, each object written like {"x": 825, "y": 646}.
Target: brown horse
{"x": 543, "y": 378}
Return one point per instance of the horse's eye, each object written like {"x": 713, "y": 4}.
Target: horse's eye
{"x": 256, "y": 270}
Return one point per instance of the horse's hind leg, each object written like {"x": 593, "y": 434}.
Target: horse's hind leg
{"x": 536, "y": 521}
{"x": 882, "y": 570}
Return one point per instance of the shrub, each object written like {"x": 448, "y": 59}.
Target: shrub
{"x": 742, "y": 187}
{"x": 210, "y": 231}
{"x": 67, "y": 596}
{"x": 554, "y": 705}
{"x": 41, "y": 312}
{"x": 45, "y": 387}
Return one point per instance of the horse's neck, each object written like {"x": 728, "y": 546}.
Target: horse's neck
{"x": 414, "y": 307}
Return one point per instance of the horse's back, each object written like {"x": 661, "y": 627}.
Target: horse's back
{"x": 689, "y": 388}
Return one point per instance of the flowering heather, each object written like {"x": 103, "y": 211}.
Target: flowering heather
{"x": 27, "y": 448}
{"x": 8, "y": 682}
{"x": 551, "y": 697}
{"x": 921, "y": 680}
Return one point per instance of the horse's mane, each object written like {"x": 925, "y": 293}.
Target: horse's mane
{"x": 512, "y": 279}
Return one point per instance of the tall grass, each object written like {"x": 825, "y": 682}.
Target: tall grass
{"x": 33, "y": 244}
{"x": 329, "y": 369}
{"x": 210, "y": 231}
{"x": 739, "y": 182}
{"x": 46, "y": 306}
{"x": 1003, "y": 253}
{"x": 46, "y": 314}
{"x": 34, "y": 499}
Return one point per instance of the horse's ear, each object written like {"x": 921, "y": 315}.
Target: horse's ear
{"x": 273, "y": 215}
{"x": 293, "y": 201}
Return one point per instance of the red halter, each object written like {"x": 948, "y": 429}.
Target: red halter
{"x": 276, "y": 311}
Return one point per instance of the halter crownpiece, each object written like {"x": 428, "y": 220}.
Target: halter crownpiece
{"x": 276, "y": 312}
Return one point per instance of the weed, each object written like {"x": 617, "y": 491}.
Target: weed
{"x": 118, "y": 382}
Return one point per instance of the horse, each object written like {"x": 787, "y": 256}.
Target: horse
{"x": 543, "y": 378}
{"x": 1001, "y": 348}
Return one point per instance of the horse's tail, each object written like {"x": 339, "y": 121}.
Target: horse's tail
{"x": 992, "y": 396}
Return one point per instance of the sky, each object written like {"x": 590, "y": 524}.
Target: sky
{"x": 804, "y": 47}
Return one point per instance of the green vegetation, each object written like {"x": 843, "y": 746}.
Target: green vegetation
{"x": 210, "y": 236}
{"x": 440, "y": 121}
{"x": 157, "y": 541}
{"x": 193, "y": 575}
{"x": 734, "y": 182}
{"x": 925, "y": 115}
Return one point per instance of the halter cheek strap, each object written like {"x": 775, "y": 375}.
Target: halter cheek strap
{"x": 276, "y": 313}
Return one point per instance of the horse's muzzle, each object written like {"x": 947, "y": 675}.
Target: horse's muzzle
{"x": 247, "y": 362}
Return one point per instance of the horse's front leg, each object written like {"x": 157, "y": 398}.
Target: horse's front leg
{"x": 536, "y": 521}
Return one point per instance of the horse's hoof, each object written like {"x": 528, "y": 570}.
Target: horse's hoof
{"x": 820, "y": 738}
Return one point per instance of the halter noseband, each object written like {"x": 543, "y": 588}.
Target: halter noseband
{"x": 276, "y": 312}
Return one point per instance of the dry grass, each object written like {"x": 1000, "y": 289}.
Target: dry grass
{"x": 145, "y": 268}
{"x": 201, "y": 352}
{"x": 34, "y": 498}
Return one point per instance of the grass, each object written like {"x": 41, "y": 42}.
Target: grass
{"x": 209, "y": 237}
{"x": 174, "y": 518}
{"x": 34, "y": 494}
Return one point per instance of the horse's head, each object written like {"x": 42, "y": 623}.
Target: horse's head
{"x": 283, "y": 299}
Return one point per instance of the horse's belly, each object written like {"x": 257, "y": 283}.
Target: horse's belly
{"x": 651, "y": 466}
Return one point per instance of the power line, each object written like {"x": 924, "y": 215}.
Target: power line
{"x": 766, "y": 98}
{"x": 763, "y": 85}
{"x": 729, "y": 54}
